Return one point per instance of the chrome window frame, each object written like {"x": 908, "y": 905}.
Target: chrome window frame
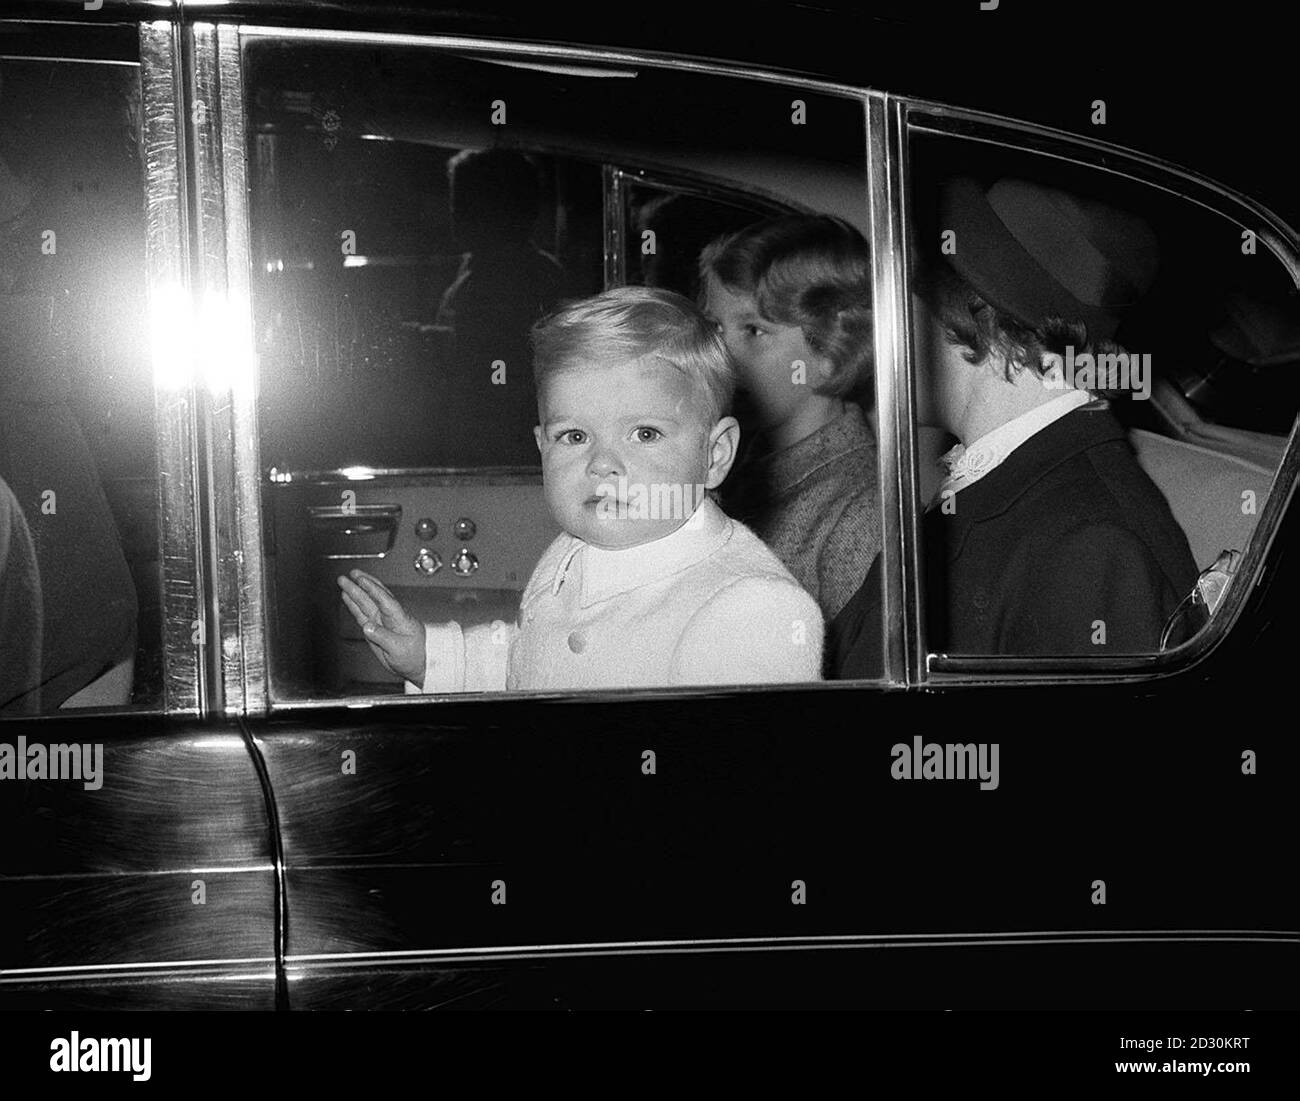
{"x": 895, "y": 395}
{"x": 951, "y": 671}
{"x": 222, "y": 273}
{"x": 613, "y": 217}
{"x": 617, "y": 178}
{"x": 186, "y": 616}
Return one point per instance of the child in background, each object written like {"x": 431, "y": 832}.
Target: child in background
{"x": 792, "y": 298}
{"x": 650, "y": 583}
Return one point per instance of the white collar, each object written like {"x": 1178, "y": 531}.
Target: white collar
{"x": 607, "y": 573}
{"x": 967, "y": 465}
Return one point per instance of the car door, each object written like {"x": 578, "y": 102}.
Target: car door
{"x": 138, "y": 866}
{"x": 1136, "y": 762}
{"x": 722, "y": 846}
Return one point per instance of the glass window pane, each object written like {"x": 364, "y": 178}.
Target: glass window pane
{"x": 414, "y": 214}
{"x": 1105, "y": 378}
{"x": 77, "y": 458}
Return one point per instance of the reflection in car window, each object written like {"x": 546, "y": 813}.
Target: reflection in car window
{"x": 377, "y": 264}
{"x": 429, "y": 275}
{"x": 1087, "y": 354}
{"x": 76, "y": 401}
{"x": 668, "y": 229}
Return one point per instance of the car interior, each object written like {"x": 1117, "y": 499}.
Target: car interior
{"x": 1220, "y": 325}
{"x": 382, "y": 447}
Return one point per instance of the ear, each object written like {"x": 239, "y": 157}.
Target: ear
{"x": 1052, "y": 371}
{"x": 537, "y": 435}
{"x": 724, "y": 441}
{"x": 822, "y": 372}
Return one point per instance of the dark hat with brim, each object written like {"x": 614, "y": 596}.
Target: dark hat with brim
{"x": 1036, "y": 252}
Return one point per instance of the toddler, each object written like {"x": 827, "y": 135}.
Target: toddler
{"x": 650, "y": 583}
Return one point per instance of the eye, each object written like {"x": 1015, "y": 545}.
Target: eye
{"x": 755, "y": 330}
{"x": 647, "y": 435}
{"x": 572, "y": 436}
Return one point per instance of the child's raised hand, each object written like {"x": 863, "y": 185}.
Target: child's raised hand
{"x": 395, "y": 636}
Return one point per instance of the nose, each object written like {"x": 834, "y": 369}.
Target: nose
{"x": 604, "y": 462}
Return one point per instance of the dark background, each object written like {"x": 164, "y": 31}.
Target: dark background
{"x": 1209, "y": 86}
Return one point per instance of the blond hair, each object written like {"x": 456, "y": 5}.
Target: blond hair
{"x": 631, "y": 323}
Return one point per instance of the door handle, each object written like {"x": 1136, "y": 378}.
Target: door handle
{"x": 359, "y": 531}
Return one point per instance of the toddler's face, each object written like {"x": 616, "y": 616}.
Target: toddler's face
{"x": 765, "y": 352}
{"x": 626, "y": 455}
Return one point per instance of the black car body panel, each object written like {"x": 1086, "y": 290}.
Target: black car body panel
{"x": 156, "y": 889}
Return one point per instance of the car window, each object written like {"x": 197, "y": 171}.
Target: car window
{"x": 413, "y": 215}
{"x": 1105, "y": 381}
{"x": 80, "y": 579}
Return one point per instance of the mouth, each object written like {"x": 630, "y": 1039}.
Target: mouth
{"x": 605, "y": 493}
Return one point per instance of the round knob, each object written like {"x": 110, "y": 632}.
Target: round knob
{"x": 465, "y": 528}
{"x": 426, "y": 529}
{"x": 427, "y": 562}
{"x": 464, "y": 563}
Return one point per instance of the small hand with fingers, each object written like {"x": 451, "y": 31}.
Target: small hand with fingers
{"x": 396, "y": 637}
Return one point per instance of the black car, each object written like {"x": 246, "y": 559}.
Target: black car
{"x": 232, "y": 369}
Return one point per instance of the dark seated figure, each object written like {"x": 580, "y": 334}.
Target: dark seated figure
{"x": 1067, "y": 547}
{"x": 89, "y": 597}
{"x": 1047, "y": 538}
{"x": 20, "y": 612}
{"x": 505, "y": 283}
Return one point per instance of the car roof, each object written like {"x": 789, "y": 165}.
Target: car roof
{"x": 1210, "y": 95}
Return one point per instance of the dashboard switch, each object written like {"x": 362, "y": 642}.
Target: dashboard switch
{"x": 464, "y": 563}
{"x": 427, "y": 562}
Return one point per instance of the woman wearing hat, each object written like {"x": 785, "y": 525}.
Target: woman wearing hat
{"x": 1047, "y": 537}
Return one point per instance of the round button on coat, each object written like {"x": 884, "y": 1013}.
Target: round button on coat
{"x": 577, "y": 642}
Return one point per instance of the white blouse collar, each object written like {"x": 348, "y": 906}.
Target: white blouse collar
{"x": 967, "y": 465}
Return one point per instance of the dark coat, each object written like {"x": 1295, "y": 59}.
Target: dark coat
{"x": 1067, "y": 547}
